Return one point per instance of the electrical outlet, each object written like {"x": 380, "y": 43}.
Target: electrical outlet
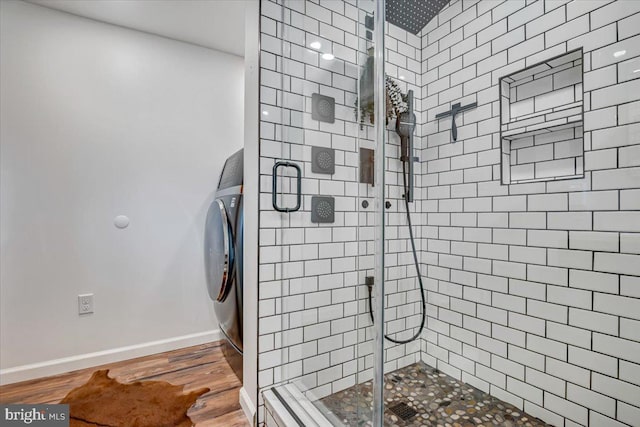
{"x": 85, "y": 303}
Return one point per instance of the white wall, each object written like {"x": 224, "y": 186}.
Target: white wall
{"x": 99, "y": 121}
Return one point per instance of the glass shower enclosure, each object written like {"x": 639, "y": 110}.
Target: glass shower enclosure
{"x": 334, "y": 278}
{"x": 449, "y": 211}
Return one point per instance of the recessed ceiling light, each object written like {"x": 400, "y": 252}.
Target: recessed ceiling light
{"x": 401, "y": 77}
{"x": 327, "y": 56}
{"x": 315, "y": 45}
{"x": 265, "y": 112}
{"x": 619, "y": 53}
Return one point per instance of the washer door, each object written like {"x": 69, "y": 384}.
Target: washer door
{"x": 218, "y": 251}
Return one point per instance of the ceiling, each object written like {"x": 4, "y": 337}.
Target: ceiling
{"x": 215, "y": 24}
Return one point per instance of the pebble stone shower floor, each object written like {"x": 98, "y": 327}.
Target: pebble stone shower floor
{"x": 437, "y": 399}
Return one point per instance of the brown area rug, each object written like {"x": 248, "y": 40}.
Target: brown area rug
{"x": 103, "y": 401}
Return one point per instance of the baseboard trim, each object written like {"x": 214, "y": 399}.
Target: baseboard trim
{"x": 247, "y": 406}
{"x": 87, "y": 360}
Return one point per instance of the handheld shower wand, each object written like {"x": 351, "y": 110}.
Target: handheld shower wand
{"x": 405, "y": 125}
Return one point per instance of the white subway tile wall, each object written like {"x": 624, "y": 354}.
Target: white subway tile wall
{"x": 564, "y": 247}
{"x": 533, "y": 289}
{"x": 314, "y": 326}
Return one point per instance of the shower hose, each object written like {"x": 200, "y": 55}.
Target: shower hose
{"x": 415, "y": 261}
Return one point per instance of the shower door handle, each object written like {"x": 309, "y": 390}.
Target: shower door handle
{"x": 274, "y": 189}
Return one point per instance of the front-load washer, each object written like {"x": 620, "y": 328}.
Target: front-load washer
{"x": 223, "y": 256}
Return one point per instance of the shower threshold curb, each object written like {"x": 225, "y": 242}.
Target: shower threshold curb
{"x": 286, "y": 406}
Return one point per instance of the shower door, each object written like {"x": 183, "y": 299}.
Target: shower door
{"x": 321, "y": 207}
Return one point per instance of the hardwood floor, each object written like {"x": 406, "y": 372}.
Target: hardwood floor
{"x": 194, "y": 367}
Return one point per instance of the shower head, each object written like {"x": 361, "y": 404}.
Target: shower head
{"x": 405, "y": 125}
{"x": 413, "y": 15}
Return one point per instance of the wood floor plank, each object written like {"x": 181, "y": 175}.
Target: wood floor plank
{"x": 194, "y": 367}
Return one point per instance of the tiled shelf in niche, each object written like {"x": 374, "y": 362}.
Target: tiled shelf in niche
{"x": 541, "y": 121}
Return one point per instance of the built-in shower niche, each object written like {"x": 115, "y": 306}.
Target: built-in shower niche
{"x": 541, "y": 121}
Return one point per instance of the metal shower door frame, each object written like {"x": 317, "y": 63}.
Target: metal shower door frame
{"x": 379, "y": 265}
